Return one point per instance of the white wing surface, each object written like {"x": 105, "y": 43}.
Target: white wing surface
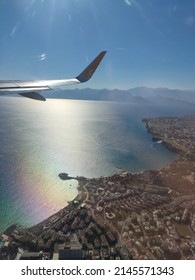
{"x": 31, "y": 89}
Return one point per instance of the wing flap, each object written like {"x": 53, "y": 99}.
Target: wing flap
{"x": 33, "y": 95}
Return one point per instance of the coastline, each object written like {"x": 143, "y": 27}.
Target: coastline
{"x": 157, "y": 136}
{"x": 65, "y": 176}
{"x": 109, "y": 203}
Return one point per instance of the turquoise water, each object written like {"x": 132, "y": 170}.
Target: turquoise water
{"x": 39, "y": 140}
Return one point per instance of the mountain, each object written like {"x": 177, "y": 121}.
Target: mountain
{"x": 162, "y": 94}
{"x": 97, "y": 94}
{"x": 134, "y": 95}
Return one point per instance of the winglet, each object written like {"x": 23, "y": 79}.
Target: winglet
{"x": 90, "y": 69}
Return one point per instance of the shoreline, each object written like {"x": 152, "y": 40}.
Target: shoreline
{"x": 65, "y": 176}
{"x": 124, "y": 210}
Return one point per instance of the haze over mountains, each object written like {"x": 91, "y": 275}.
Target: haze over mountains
{"x": 137, "y": 95}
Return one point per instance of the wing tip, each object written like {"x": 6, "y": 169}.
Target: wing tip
{"x": 91, "y": 68}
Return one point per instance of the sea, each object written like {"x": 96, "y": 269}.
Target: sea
{"x": 40, "y": 140}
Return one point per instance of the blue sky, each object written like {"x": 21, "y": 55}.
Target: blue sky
{"x": 149, "y": 42}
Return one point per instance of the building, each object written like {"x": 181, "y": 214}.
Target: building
{"x": 31, "y": 256}
{"x": 71, "y": 251}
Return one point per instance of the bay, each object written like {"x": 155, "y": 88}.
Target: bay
{"x": 39, "y": 140}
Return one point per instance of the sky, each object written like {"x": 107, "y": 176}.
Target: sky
{"x": 149, "y": 42}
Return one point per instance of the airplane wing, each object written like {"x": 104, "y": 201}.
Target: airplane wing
{"x": 31, "y": 89}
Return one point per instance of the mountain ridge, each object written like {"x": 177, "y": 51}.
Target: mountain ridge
{"x": 137, "y": 95}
